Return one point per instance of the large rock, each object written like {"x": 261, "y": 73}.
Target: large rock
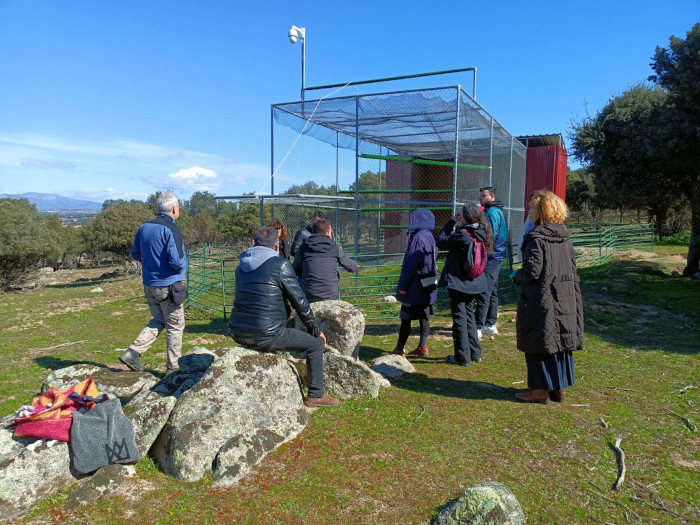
{"x": 246, "y": 401}
{"x": 392, "y": 366}
{"x": 485, "y": 504}
{"x": 10, "y": 445}
{"x": 148, "y": 413}
{"x": 344, "y": 376}
{"x": 36, "y": 472}
{"x": 192, "y": 365}
{"x": 342, "y": 323}
{"x": 105, "y": 481}
{"x": 113, "y": 382}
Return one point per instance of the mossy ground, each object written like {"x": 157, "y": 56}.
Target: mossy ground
{"x": 398, "y": 458}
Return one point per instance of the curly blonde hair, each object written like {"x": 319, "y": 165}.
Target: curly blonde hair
{"x": 547, "y": 208}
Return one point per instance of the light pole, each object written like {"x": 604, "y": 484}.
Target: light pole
{"x": 299, "y": 33}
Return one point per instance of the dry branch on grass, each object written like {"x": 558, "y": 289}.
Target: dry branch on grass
{"x": 620, "y": 388}
{"x": 62, "y": 345}
{"x": 687, "y": 421}
{"x": 661, "y": 505}
{"x": 602, "y": 422}
{"x": 422, "y": 411}
{"x": 622, "y": 469}
{"x": 616, "y": 503}
{"x": 686, "y": 388}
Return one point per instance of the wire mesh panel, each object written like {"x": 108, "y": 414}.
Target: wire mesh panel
{"x": 391, "y": 153}
{"x": 394, "y": 152}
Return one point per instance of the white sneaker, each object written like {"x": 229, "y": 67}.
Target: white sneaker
{"x": 478, "y": 334}
{"x": 489, "y": 330}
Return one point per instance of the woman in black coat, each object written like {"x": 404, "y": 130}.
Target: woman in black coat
{"x": 462, "y": 290}
{"x": 549, "y": 321}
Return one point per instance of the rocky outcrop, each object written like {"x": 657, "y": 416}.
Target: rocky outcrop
{"x": 246, "y": 400}
{"x": 485, "y": 504}
{"x": 107, "y": 480}
{"x": 33, "y": 473}
{"x": 148, "y": 412}
{"x": 342, "y": 323}
{"x": 224, "y": 411}
{"x": 392, "y": 366}
{"x": 113, "y": 382}
{"x": 343, "y": 376}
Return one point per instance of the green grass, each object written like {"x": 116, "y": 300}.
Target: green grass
{"x": 398, "y": 458}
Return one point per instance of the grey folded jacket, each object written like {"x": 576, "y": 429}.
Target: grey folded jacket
{"x": 102, "y": 436}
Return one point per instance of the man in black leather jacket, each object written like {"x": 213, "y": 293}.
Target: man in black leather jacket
{"x": 265, "y": 286}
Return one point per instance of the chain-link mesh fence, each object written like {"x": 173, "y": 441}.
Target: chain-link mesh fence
{"x": 391, "y": 153}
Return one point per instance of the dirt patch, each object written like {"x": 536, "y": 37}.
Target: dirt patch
{"x": 639, "y": 255}
{"x": 571, "y": 449}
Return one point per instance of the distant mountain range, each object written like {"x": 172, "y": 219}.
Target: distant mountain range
{"x": 53, "y": 202}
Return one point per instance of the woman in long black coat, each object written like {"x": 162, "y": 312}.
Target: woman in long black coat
{"x": 549, "y": 321}
{"x": 461, "y": 289}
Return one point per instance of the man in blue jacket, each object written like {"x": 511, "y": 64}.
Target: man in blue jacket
{"x": 159, "y": 247}
{"x": 487, "y": 302}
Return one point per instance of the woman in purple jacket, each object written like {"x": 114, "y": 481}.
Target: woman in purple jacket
{"x": 416, "y": 301}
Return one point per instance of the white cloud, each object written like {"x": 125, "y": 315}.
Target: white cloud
{"x": 193, "y": 174}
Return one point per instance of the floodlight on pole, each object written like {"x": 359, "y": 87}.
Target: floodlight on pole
{"x": 299, "y": 33}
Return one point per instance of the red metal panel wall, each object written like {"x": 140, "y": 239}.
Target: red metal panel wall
{"x": 546, "y": 168}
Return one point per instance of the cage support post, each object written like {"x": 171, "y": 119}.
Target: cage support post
{"x": 456, "y": 162}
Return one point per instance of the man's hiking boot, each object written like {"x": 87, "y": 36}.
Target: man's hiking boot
{"x": 399, "y": 351}
{"x": 320, "y": 402}
{"x": 421, "y": 351}
{"x": 132, "y": 359}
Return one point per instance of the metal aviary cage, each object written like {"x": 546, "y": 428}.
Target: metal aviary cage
{"x": 391, "y": 153}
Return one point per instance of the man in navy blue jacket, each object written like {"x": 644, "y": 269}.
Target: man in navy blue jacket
{"x": 159, "y": 247}
{"x": 487, "y": 303}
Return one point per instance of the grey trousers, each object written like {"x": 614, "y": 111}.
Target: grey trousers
{"x": 165, "y": 315}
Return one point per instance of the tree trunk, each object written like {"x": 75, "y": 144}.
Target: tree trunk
{"x": 693, "y": 264}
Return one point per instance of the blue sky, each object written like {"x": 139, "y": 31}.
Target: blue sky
{"x": 120, "y": 99}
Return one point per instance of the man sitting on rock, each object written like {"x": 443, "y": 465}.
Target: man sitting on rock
{"x": 265, "y": 287}
{"x": 317, "y": 261}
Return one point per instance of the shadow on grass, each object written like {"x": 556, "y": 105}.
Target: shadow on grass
{"x": 55, "y": 363}
{"x": 443, "y": 386}
{"x": 638, "y": 303}
{"x": 457, "y": 388}
{"x": 92, "y": 281}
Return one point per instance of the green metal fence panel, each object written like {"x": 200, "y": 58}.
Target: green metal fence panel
{"x": 211, "y": 273}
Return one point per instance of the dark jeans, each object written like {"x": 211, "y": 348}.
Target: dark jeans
{"x": 464, "y": 336}
{"x": 487, "y": 302}
{"x": 293, "y": 340}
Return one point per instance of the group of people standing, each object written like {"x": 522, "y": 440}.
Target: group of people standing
{"x": 549, "y": 323}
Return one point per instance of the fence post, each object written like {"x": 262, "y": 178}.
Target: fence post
{"x": 223, "y": 285}
{"x": 187, "y": 274}
{"x": 600, "y": 243}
